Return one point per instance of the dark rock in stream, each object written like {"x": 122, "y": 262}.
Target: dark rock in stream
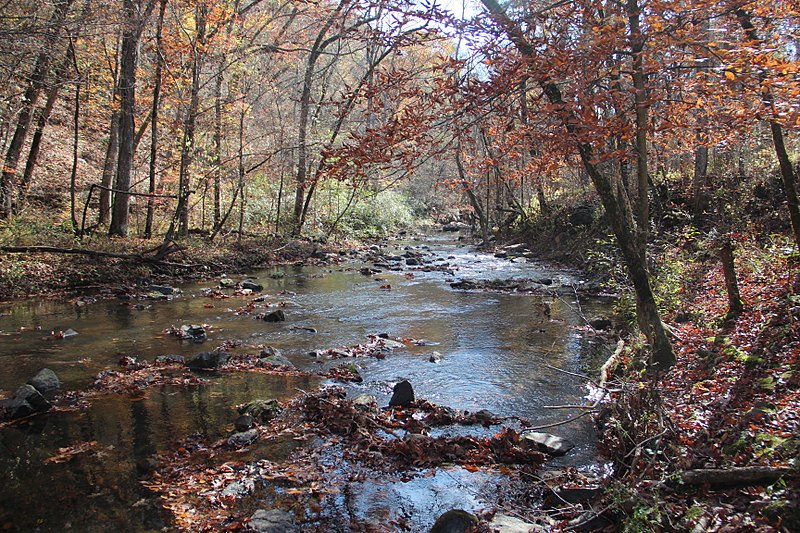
{"x": 272, "y": 521}
{"x": 547, "y": 443}
{"x": 208, "y": 360}
{"x": 435, "y": 357}
{"x": 14, "y": 408}
{"x": 34, "y": 398}
{"x": 45, "y": 381}
{"x": 403, "y": 395}
{"x": 274, "y": 316}
{"x": 243, "y": 423}
{"x": 261, "y": 410}
{"x": 242, "y": 439}
{"x": 601, "y": 323}
{"x": 255, "y": 287}
{"x": 413, "y": 261}
{"x": 464, "y": 285}
{"x": 165, "y": 290}
{"x": 273, "y": 356}
{"x": 454, "y": 521}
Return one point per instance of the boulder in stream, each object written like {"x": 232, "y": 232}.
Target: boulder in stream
{"x": 34, "y": 398}
{"x": 403, "y": 395}
{"x": 13, "y": 408}
{"x": 272, "y": 521}
{"x": 208, "y": 360}
{"x": 192, "y": 332}
{"x": 243, "y": 423}
{"x": 243, "y": 438}
{"x": 273, "y": 356}
{"x": 547, "y": 443}
{"x": 274, "y": 316}
{"x": 253, "y": 286}
{"x": 45, "y": 381}
{"x": 454, "y": 521}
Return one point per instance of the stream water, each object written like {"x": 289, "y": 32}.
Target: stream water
{"x": 496, "y": 350}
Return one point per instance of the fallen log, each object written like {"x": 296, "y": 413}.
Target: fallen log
{"x": 92, "y": 253}
{"x": 745, "y": 476}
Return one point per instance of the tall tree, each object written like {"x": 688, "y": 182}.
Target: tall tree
{"x": 617, "y": 203}
{"x": 37, "y": 81}
{"x": 135, "y": 15}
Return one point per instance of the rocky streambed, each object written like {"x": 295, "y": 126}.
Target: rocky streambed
{"x": 371, "y": 393}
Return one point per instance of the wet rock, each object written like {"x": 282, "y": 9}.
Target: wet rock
{"x": 454, "y": 521}
{"x": 45, "y": 381}
{"x": 227, "y": 283}
{"x": 34, "y": 398}
{"x": 67, "y": 334}
{"x": 242, "y": 439}
{"x": 547, "y": 443}
{"x": 274, "y": 316}
{"x": 272, "y": 521}
{"x": 243, "y": 423}
{"x": 366, "y": 271}
{"x": 574, "y": 494}
{"x": 435, "y": 357}
{"x": 413, "y": 261}
{"x": 403, "y": 395}
{"x": 14, "y": 408}
{"x": 453, "y": 227}
{"x": 165, "y": 290}
{"x": 239, "y": 489}
{"x": 193, "y": 332}
{"x": 273, "y": 356}
{"x": 464, "y": 285}
{"x": 278, "y": 275}
{"x": 261, "y": 410}
{"x": 253, "y": 286}
{"x": 502, "y": 523}
{"x": 170, "y": 360}
{"x": 601, "y": 323}
{"x": 391, "y": 344}
{"x": 366, "y": 402}
{"x": 208, "y": 360}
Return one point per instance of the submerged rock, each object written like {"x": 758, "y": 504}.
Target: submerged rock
{"x": 435, "y": 357}
{"x": 272, "y": 521}
{"x": 547, "y": 443}
{"x": 165, "y": 290}
{"x": 243, "y": 423}
{"x": 208, "y": 360}
{"x": 170, "y": 360}
{"x": 261, "y": 410}
{"x": 273, "y": 356}
{"x": 403, "y": 395}
{"x": 454, "y": 521}
{"x": 45, "y": 381}
{"x": 274, "y": 316}
{"x": 193, "y": 332}
{"x": 242, "y": 439}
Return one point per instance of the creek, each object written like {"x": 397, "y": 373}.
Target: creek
{"x": 497, "y": 353}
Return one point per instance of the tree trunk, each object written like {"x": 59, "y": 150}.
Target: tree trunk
{"x": 152, "y": 177}
{"x": 109, "y": 169}
{"x": 735, "y": 304}
{"x": 617, "y": 207}
{"x": 187, "y": 147}
{"x": 641, "y": 112}
{"x": 41, "y": 124}
{"x": 305, "y": 107}
{"x": 135, "y": 17}
{"x": 787, "y": 172}
{"x": 8, "y": 179}
{"x": 75, "y": 138}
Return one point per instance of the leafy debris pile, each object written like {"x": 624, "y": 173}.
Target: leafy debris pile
{"x": 209, "y": 487}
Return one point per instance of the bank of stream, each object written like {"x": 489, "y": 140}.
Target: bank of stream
{"x": 508, "y": 353}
